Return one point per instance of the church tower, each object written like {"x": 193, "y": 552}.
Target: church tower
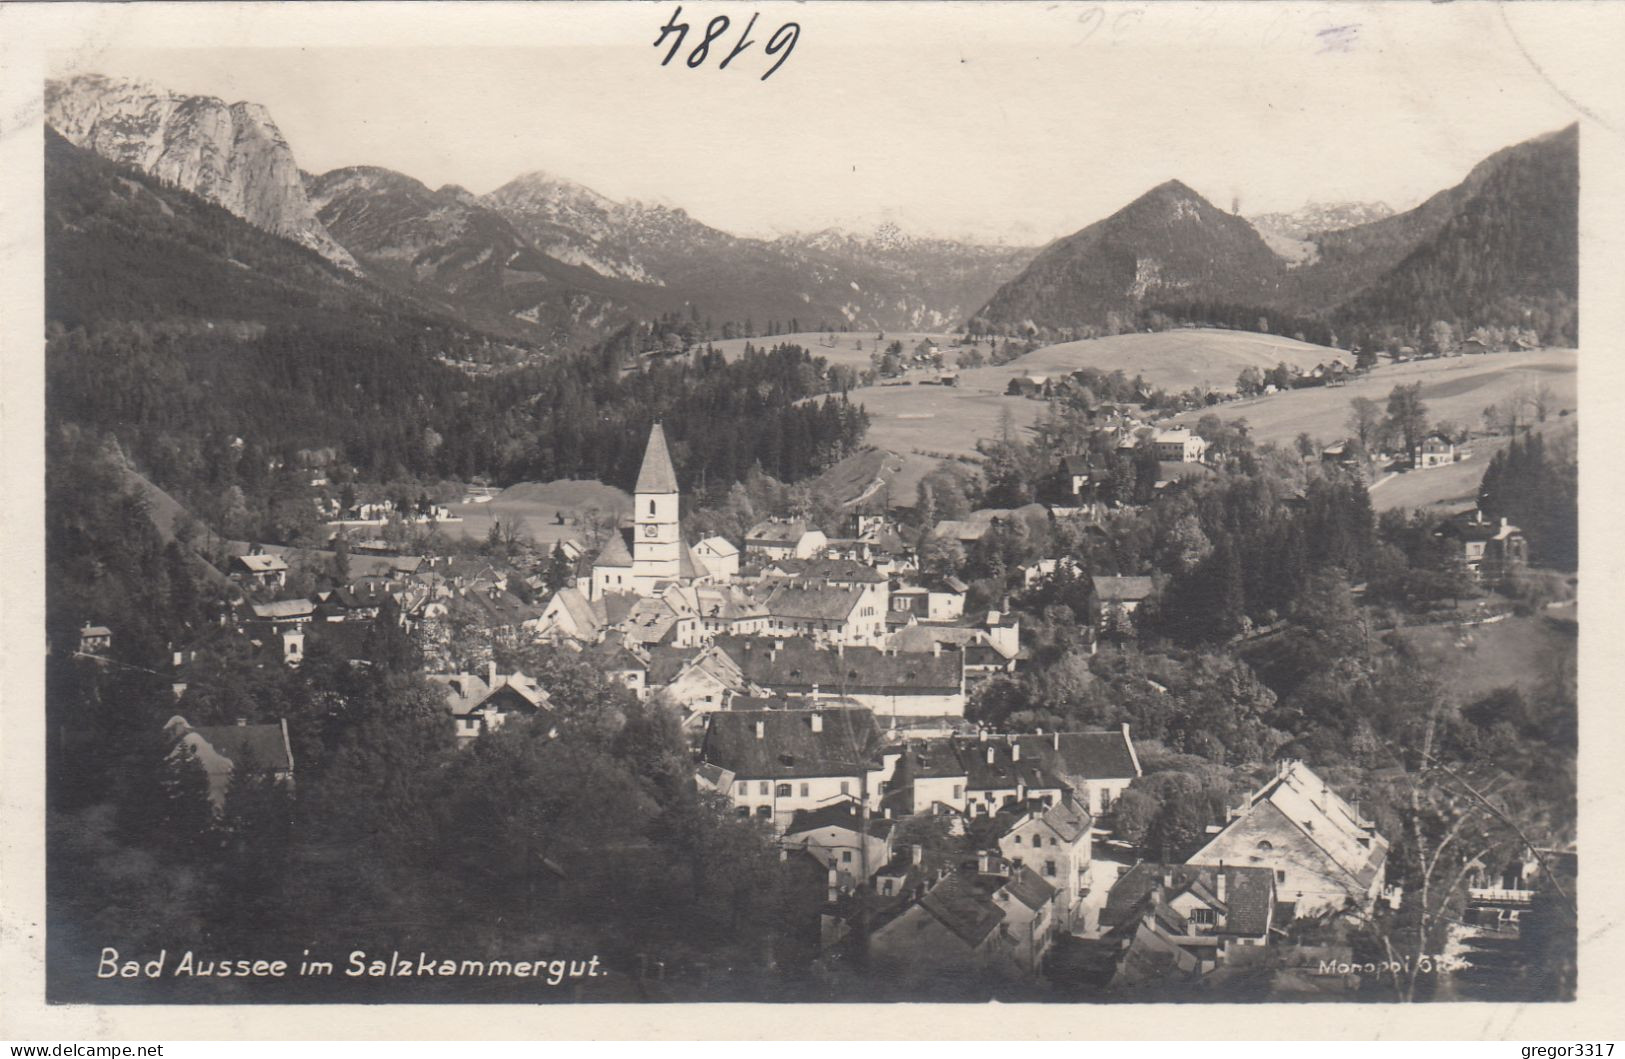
{"x": 657, "y": 545}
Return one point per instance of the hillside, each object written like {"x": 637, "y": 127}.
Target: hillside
{"x": 1498, "y": 249}
{"x": 1168, "y": 245}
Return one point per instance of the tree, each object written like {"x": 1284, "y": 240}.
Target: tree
{"x": 1407, "y": 415}
{"x": 1364, "y": 421}
{"x": 1250, "y": 381}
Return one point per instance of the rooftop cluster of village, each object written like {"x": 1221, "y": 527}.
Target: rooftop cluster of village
{"x": 823, "y": 685}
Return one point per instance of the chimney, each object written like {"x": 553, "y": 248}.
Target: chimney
{"x": 984, "y": 862}
{"x": 1167, "y": 877}
{"x": 1015, "y": 750}
{"x": 761, "y": 729}
{"x": 491, "y": 673}
{"x": 1021, "y": 791}
{"x": 936, "y": 645}
{"x": 983, "y": 734}
{"x": 1055, "y": 740}
{"x": 834, "y": 884}
{"x": 1218, "y": 886}
{"x": 886, "y": 812}
{"x": 817, "y": 718}
{"x": 916, "y": 855}
{"x": 990, "y": 755}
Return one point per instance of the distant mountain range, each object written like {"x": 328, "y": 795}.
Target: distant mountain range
{"x": 552, "y": 264}
{"x": 541, "y": 257}
{"x": 1500, "y": 248}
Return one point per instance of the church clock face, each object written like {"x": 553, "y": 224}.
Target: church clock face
{"x": 649, "y": 531}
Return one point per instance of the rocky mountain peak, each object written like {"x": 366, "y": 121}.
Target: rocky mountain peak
{"x": 232, "y": 155}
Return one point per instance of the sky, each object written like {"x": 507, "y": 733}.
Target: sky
{"x": 1010, "y": 123}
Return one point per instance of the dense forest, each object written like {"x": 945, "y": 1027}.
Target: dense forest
{"x": 217, "y": 371}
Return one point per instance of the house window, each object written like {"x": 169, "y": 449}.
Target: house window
{"x": 1202, "y": 917}
{"x": 1018, "y": 840}
{"x": 763, "y": 788}
{"x": 1049, "y": 868}
{"x": 1038, "y": 840}
{"x": 765, "y": 812}
{"x": 782, "y": 791}
{"x": 1265, "y": 845}
{"x": 846, "y": 856}
{"x": 805, "y": 790}
{"x": 744, "y": 788}
{"x": 651, "y": 507}
{"x": 885, "y": 887}
{"x": 1105, "y": 801}
{"x": 845, "y": 787}
{"x": 1280, "y": 876}
{"x": 744, "y": 810}
{"x": 959, "y": 790}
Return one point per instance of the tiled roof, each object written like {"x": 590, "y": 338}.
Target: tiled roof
{"x": 1122, "y": 589}
{"x": 263, "y": 744}
{"x": 798, "y": 666}
{"x": 719, "y": 546}
{"x": 963, "y": 907}
{"x": 284, "y": 608}
{"x": 656, "y": 474}
{"x": 1084, "y": 755}
{"x": 798, "y": 603}
{"x": 789, "y": 746}
{"x": 840, "y": 571}
{"x": 843, "y": 814}
{"x": 1307, "y": 803}
{"x": 1029, "y": 888}
{"x": 261, "y": 564}
{"x": 774, "y": 531}
{"x": 614, "y": 552}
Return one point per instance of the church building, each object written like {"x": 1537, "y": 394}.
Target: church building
{"x": 655, "y": 557}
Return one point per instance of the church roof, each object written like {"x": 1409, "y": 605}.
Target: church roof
{"x": 657, "y": 475}
{"x": 615, "y": 552}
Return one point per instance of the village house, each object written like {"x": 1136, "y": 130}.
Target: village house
{"x": 996, "y": 919}
{"x": 259, "y": 570}
{"x": 697, "y": 680}
{"x": 480, "y": 704}
{"x": 222, "y": 749}
{"x": 1491, "y": 548}
{"x": 95, "y": 639}
{"x": 940, "y": 600}
{"x": 888, "y": 683}
{"x": 1033, "y": 573}
{"x": 987, "y": 774}
{"x": 1434, "y": 450}
{"x": 1179, "y": 445}
{"x": 1207, "y": 910}
{"x": 719, "y": 557}
{"x": 1325, "y": 855}
{"x": 787, "y": 760}
{"x": 784, "y": 539}
{"x": 1119, "y": 597}
{"x": 1055, "y": 843}
{"x": 842, "y": 840}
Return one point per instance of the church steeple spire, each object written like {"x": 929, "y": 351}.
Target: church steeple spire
{"x": 657, "y": 475}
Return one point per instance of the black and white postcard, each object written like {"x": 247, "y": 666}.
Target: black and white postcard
{"x": 662, "y": 504}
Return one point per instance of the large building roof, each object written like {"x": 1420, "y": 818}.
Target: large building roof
{"x": 798, "y": 666}
{"x": 1246, "y": 902}
{"x": 792, "y": 743}
{"x": 657, "y": 474}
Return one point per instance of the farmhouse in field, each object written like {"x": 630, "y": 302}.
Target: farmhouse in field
{"x": 1435, "y": 450}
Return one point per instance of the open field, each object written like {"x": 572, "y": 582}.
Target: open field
{"x": 539, "y": 505}
{"x": 1475, "y": 660}
{"x": 915, "y": 418}
{"x": 1455, "y": 390}
{"x": 1178, "y": 360}
{"x": 851, "y": 347}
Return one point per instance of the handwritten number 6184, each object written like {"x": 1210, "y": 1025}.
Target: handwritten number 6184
{"x": 781, "y": 43}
